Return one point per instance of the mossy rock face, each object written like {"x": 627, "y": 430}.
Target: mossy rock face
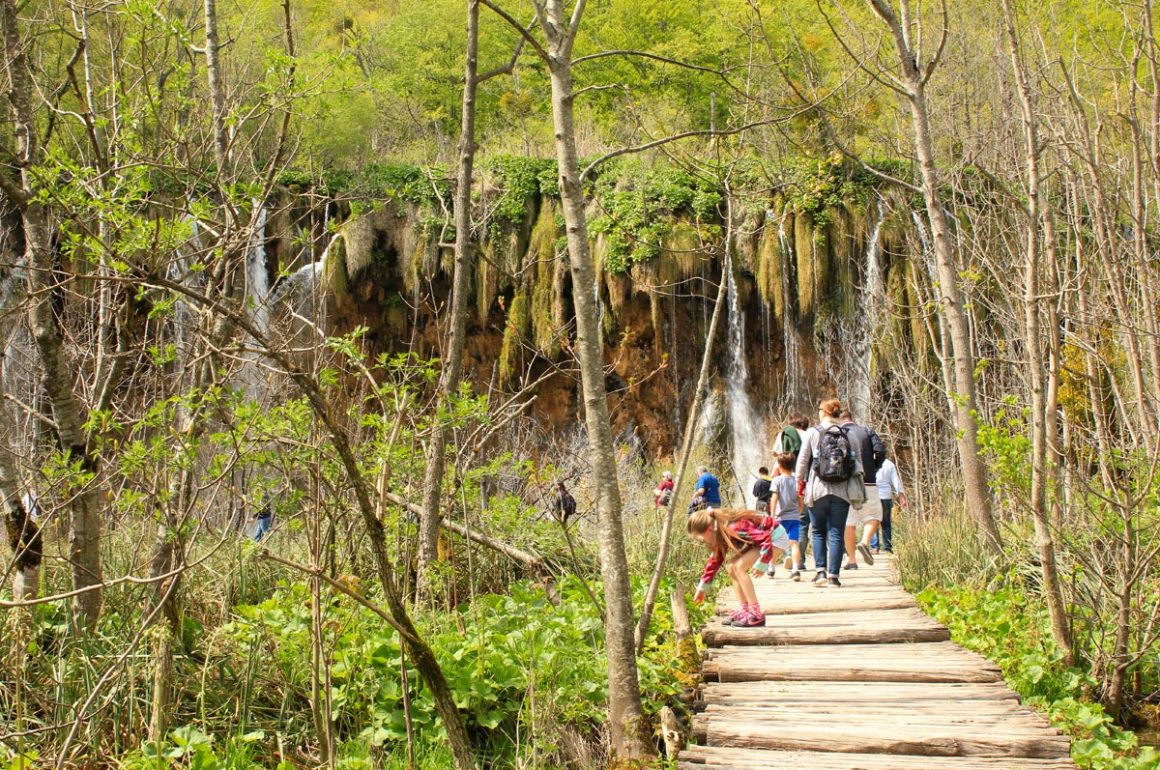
{"x": 841, "y": 294}
{"x": 396, "y": 316}
{"x": 486, "y": 281}
{"x": 748, "y": 238}
{"x": 511, "y": 355}
{"x": 811, "y": 246}
{"x": 917, "y": 310}
{"x": 545, "y": 302}
{"x": 335, "y": 279}
{"x": 682, "y": 253}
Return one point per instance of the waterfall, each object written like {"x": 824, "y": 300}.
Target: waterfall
{"x": 257, "y": 274}
{"x": 924, "y": 239}
{"x": 746, "y": 426}
{"x": 871, "y": 301}
{"x": 300, "y": 288}
{"x": 795, "y": 387}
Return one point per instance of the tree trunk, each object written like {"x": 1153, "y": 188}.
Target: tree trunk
{"x": 453, "y": 358}
{"x": 1053, "y": 594}
{"x": 951, "y": 303}
{"x": 625, "y": 716}
{"x": 67, "y": 410}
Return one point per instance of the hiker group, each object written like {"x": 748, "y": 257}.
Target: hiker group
{"x": 829, "y": 479}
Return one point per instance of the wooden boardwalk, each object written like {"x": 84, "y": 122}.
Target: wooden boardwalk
{"x": 856, "y": 678}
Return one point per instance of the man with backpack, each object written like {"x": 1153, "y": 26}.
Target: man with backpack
{"x": 663, "y": 494}
{"x": 869, "y": 447}
{"x": 565, "y": 505}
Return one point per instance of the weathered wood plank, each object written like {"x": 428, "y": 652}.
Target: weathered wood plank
{"x": 838, "y": 716}
{"x": 855, "y": 627}
{"x": 921, "y": 662}
{"x": 718, "y": 758}
{"x": 906, "y": 693}
{"x": 857, "y": 737}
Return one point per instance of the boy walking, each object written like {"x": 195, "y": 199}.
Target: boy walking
{"x": 763, "y": 489}
{"x": 789, "y": 511}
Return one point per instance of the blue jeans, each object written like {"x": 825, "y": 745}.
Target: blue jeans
{"x": 828, "y": 517}
{"x": 804, "y": 538}
{"x": 887, "y": 544}
{"x": 264, "y": 524}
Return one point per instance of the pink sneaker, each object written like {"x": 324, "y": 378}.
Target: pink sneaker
{"x": 752, "y": 620}
{"x": 737, "y": 615}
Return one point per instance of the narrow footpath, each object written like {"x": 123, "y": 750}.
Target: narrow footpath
{"x": 856, "y": 678}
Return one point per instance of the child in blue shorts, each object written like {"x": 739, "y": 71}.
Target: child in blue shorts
{"x": 785, "y": 492}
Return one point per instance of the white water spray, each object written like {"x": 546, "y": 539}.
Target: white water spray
{"x": 746, "y": 426}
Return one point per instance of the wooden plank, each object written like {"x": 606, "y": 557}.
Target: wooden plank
{"x": 900, "y": 738}
{"x": 921, "y": 662}
{"x": 718, "y": 758}
{"x": 822, "y": 600}
{"x": 914, "y": 694}
{"x": 836, "y": 717}
{"x": 950, "y": 712}
{"x": 861, "y": 627}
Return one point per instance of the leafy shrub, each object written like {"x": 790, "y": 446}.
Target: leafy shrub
{"x": 516, "y": 664}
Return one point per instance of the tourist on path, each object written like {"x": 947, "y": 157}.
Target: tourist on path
{"x": 265, "y": 519}
{"x": 664, "y": 491}
{"x": 789, "y": 511}
{"x": 565, "y": 504}
{"x": 889, "y": 490}
{"x": 707, "y": 492}
{"x": 871, "y": 451}
{"x": 829, "y": 476}
{"x": 763, "y": 490}
{"x": 741, "y": 540}
{"x": 789, "y": 438}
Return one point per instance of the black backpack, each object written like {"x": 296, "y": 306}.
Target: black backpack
{"x": 565, "y": 505}
{"x": 834, "y": 457}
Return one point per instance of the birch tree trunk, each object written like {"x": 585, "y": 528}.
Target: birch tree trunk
{"x": 627, "y": 730}
{"x": 951, "y": 303}
{"x": 58, "y": 373}
{"x": 1053, "y": 594}
{"x": 453, "y": 357}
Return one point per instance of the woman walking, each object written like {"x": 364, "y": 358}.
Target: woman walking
{"x": 829, "y": 475}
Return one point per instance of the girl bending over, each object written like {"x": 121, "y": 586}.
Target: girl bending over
{"x": 741, "y": 540}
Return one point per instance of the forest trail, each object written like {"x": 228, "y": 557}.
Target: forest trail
{"x": 856, "y": 678}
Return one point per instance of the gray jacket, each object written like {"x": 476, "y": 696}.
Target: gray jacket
{"x": 852, "y": 490}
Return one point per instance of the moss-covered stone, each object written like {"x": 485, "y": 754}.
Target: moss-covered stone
{"x": 681, "y": 254}
{"x": 335, "y": 279}
{"x": 811, "y": 246}
{"x": 515, "y": 335}
{"x": 542, "y": 255}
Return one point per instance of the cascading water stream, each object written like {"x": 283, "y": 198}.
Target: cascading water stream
{"x": 257, "y": 303}
{"x": 870, "y": 302}
{"x": 746, "y": 426}
{"x": 258, "y": 276}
